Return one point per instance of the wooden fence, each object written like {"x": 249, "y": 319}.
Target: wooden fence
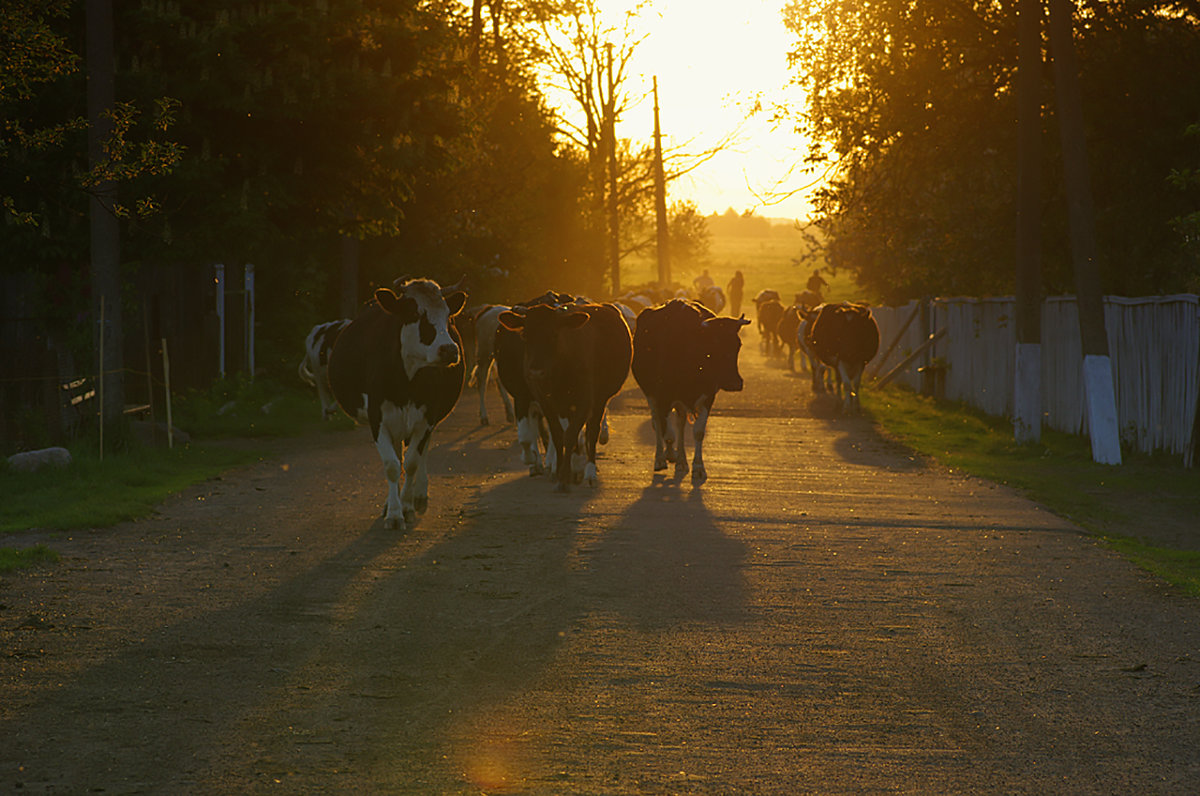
{"x": 1154, "y": 344}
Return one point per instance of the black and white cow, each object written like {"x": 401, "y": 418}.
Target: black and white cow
{"x": 576, "y": 358}
{"x": 399, "y": 368}
{"x": 682, "y": 356}
{"x": 844, "y": 337}
{"x": 314, "y": 366}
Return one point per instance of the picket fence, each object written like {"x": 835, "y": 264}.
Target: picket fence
{"x": 1154, "y": 344}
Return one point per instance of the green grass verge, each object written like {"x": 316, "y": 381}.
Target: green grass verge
{"x": 92, "y": 494}
{"x": 1128, "y": 506}
{"x": 11, "y": 559}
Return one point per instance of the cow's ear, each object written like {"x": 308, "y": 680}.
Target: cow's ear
{"x": 512, "y": 321}
{"x": 388, "y": 299}
{"x": 456, "y": 301}
{"x": 743, "y": 320}
{"x": 575, "y": 320}
{"x": 397, "y": 304}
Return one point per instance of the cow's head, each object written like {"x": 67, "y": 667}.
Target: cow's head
{"x": 541, "y": 328}
{"x": 424, "y": 315}
{"x": 722, "y": 342}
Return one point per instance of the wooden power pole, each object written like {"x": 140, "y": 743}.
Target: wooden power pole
{"x": 660, "y": 201}
{"x": 1097, "y": 366}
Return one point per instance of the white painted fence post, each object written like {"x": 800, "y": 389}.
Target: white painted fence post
{"x": 1101, "y": 409}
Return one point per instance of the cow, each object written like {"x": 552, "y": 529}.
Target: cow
{"x": 785, "y": 330}
{"x": 509, "y": 350}
{"x": 484, "y": 325}
{"x": 683, "y": 354}
{"x": 820, "y": 373}
{"x": 769, "y": 312}
{"x": 398, "y": 367}
{"x": 314, "y": 366}
{"x": 713, "y": 298}
{"x": 845, "y": 337}
{"x": 576, "y": 358}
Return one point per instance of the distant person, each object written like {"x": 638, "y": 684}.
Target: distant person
{"x": 816, "y": 283}
{"x": 703, "y": 281}
{"x": 733, "y": 292}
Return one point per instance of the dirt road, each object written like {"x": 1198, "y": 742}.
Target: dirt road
{"x": 826, "y": 615}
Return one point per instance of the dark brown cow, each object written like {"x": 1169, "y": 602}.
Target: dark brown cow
{"x": 399, "y": 368}
{"x": 785, "y": 330}
{"x": 682, "y": 355}
{"x": 509, "y": 351}
{"x": 845, "y": 337}
{"x": 769, "y": 312}
{"x": 576, "y": 358}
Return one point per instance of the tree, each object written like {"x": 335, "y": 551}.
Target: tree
{"x": 911, "y": 107}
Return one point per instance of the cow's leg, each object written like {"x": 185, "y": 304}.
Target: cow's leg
{"x": 699, "y": 474}
{"x": 509, "y": 415}
{"x": 594, "y": 430}
{"x": 579, "y": 455}
{"x": 659, "y": 418}
{"x": 681, "y": 462}
{"x": 329, "y": 404}
{"x": 393, "y": 515}
{"x": 527, "y": 435}
{"x": 560, "y": 451}
{"x": 414, "y": 499}
{"x": 479, "y": 379}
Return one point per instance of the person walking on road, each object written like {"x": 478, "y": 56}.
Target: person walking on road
{"x": 733, "y": 291}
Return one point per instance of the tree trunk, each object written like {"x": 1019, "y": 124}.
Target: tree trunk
{"x": 1027, "y": 383}
{"x": 1097, "y": 367}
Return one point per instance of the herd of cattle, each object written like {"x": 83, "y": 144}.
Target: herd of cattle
{"x": 400, "y": 367}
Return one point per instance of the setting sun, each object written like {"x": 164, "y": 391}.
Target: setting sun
{"x": 716, "y": 63}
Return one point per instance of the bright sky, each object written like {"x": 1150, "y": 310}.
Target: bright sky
{"x": 713, "y": 58}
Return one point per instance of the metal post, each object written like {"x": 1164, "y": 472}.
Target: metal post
{"x": 219, "y": 279}
{"x": 248, "y": 314}
{"x": 167, "y": 394}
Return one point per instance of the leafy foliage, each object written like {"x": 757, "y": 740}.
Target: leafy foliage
{"x": 912, "y": 108}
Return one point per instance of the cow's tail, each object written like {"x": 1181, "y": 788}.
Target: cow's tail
{"x": 306, "y": 375}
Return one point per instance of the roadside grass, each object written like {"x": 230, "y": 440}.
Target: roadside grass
{"x": 90, "y": 493}
{"x": 1112, "y": 503}
{"x": 11, "y": 558}
{"x": 134, "y": 479}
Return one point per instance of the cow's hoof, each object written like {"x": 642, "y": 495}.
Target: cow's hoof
{"x": 680, "y": 470}
{"x": 421, "y": 504}
{"x": 393, "y": 523}
{"x": 590, "y": 476}
{"x": 660, "y": 465}
{"x": 483, "y": 421}
{"x": 410, "y": 516}
{"x": 561, "y": 487}
{"x": 699, "y": 476}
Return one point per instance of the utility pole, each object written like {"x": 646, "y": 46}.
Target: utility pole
{"x": 105, "y": 252}
{"x": 660, "y": 201}
{"x": 614, "y": 218}
{"x": 1097, "y": 366}
{"x": 1027, "y": 380}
